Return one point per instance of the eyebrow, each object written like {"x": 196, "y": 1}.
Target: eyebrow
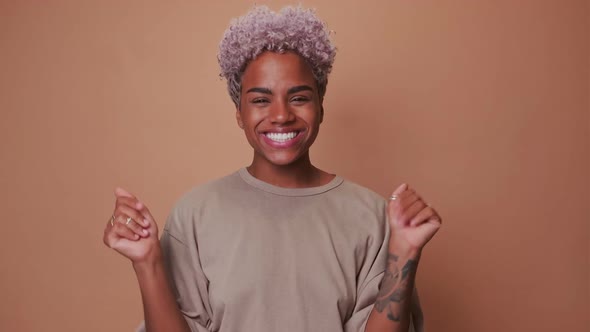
{"x": 292, "y": 90}
{"x": 260, "y": 90}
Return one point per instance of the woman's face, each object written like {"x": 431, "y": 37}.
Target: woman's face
{"x": 280, "y": 109}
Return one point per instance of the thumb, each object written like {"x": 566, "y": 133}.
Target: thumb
{"x": 400, "y": 189}
{"x": 428, "y": 229}
{"x": 120, "y": 192}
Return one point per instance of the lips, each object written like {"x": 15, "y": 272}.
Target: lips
{"x": 283, "y": 139}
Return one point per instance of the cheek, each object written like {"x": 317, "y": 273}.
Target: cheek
{"x": 314, "y": 118}
{"x": 250, "y": 118}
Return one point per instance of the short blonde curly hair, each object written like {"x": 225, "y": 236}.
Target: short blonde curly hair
{"x": 291, "y": 29}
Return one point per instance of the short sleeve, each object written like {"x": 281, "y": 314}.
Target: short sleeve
{"x": 368, "y": 288}
{"x": 183, "y": 266}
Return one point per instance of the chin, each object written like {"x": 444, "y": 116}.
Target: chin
{"x": 282, "y": 160}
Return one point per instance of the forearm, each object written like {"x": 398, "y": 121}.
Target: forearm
{"x": 391, "y": 312}
{"x": 160, "y": 309}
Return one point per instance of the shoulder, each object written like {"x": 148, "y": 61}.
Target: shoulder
{"x": 366, "y": 206}
{"x": 190, "y": 204}
{"x": 197, "y": 195}
{"x": 367, "y": 210}
{"x": 362, "y": 195}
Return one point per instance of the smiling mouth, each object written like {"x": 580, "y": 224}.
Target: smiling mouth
{"x": 282, "y": 137}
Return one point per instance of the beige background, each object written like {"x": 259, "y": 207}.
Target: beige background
{"x": 483, "y": 106}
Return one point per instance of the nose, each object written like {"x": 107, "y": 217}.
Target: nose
{"x": 281, "y": 113}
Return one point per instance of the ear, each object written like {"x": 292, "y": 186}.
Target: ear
{"x": 321, "y": 113}
{"x": 239, "y": 118}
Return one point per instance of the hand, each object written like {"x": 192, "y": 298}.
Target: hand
{"x": 413, "y": 222}
{"x": 132, "y": 231}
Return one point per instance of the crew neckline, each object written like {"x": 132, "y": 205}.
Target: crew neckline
{"x": 264, "y": 186}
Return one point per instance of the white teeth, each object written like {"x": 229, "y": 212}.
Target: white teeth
{"x": 281, "y": 137}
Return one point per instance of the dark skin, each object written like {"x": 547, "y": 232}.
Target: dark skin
{"x": 279, "y": 97}
{"x": 279, "y": 94}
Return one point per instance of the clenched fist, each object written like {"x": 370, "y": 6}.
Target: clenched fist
{"x": 132, "y": 231}
{"x": 413, "y": 222}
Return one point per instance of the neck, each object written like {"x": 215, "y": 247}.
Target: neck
{"x": 299, "y": 174}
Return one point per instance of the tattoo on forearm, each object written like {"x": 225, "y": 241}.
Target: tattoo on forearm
{"x": 393, "y": 289}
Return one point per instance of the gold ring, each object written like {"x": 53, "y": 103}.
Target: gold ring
{"x": 112, "y": 220}
{"x": 128, "y": 220}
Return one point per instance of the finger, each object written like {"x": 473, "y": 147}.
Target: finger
{"x": 436, "y": 217}
{"x": 395, "y": 205}
{"x": 428, "y": 229}
{"x": 123, "y": 211}
{"x": 406, "y": 200}
{"x": 145, "y": 212}
{"x": 137, "y": 205}
{"x": 111, "y": 221}
{"x": 401, "y": 188}
{"x": 120, "y": 192}
{"x": 122, "y": 231}
{"x": 422, "y": 216}
{"x": 412, "y": 211}
{"x": 398, "y": 195}
{"x": 127, "y": 201}
{"x": 107, "y": 235}
{"x": 402, "y": 202}
{"x": 136, "y": 228}
{"x": 402, "y": 199}
{"x": 134, "y": 203}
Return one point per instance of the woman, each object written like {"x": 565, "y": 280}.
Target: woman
{"x": 279, "y": 245}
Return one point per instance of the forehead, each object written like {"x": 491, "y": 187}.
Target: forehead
{"x": 271, "y": 69}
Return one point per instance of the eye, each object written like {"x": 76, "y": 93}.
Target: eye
{"x": 299, "y": 99}
{"x": 260, "y": 101}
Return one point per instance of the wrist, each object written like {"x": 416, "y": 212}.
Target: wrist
{"x": 149, "y": 264}
{"x": 405, "y": 250}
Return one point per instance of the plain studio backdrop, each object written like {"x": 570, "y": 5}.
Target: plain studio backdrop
{"x": 482, "y": 106}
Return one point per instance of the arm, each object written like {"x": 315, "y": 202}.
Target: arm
{"x": 160, "y": 309}
{"x": 133, "y": 233}
{"x": 392, "y": 308}
{"x": 413, "y": 223}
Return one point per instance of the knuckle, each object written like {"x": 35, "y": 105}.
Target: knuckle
{"x": 118, "y": 212}
{"x": 107, "y": 242}
{"x": 391, "y": 207}
{"x": 401, "y": 216}
{"x": 124, "y": 202}
{"x": 129, "y": 231}
{"x": 125, "y": 231}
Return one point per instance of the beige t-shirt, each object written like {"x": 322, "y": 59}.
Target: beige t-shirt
{"x": 244, "y": 255}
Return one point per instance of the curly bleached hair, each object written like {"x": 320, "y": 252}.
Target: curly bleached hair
{"x": 292, "y": 29}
